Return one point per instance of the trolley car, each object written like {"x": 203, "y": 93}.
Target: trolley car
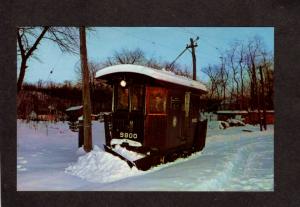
{"x": 154, "y": 113}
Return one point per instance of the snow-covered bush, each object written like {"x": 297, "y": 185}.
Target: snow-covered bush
{"x": 235, "y": 122}
{"x": 217, "y": 125}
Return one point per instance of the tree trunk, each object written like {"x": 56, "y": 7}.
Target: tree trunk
{"x": 242, "y": 90}
{"x": 254, "y": 96}
{"x": 87, "y": 130}
{"x": 237, "y": 102}
{"x": 21, "y": 75}
{"x": 263, "y": 98}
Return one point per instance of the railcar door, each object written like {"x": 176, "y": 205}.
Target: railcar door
{"x": 156, "y": 118}
{"x": 175, "y": 121}
{"x": 128, "y": 115}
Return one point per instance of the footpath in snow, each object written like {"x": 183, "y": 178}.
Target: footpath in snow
{"x": 232, "y": 160}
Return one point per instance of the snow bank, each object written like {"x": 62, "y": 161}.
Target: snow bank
{"x": 235, "y": 159}
{"x": 215, "y": 125}
{"x": 235, "y": 122}
{"x": 101, "y": 167}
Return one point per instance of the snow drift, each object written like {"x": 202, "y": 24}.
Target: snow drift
{"x": 234, "y": 159}
{"x": 100, "y": 166}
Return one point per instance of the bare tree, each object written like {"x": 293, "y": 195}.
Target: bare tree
{"x": 126, "y": 56}
{"x": 242, "y": 64}
{"x": 152, "y": 63}
{"x": 254, "y": 48}
{"x": 137, "y": 56}
{"x": 26, "y": 50}
{"x": 269, "y": 78}
{"x": 237, "y": 77}
{"x": 28, "y": 39}
{"x": 233, "y": 65}
{"x": 224, "y": 75}
{"x": 214, "y": 75}
{"x": 93, "y": 68}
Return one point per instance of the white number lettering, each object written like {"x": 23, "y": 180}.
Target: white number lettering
{"x": 128, "y": 135}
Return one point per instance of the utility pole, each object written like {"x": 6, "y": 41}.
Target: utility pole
{"x": 193, "y": 45}
{"x": 87, "y": 130}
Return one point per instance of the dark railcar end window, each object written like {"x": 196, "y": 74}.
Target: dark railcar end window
{"x": 136, "y": 94}
{"x": 122, "y": 94}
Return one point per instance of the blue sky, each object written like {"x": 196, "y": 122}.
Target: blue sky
{"x": 163, "y": 43}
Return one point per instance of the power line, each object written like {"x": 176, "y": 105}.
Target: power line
{"x": 187, "y": 32}
{"x": 206, "y": 40}
{"x": 184, "y": 30}
{"x": 147, "y": 40}
{"x": 52, "y": 70}
{"x": 162, "y": 45}
{"x": 203, "y": 37}
{"x": 178, "y": 57}
{"x": 159, "y": 44}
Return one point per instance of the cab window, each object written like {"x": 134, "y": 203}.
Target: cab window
{"x": 131, "y": 96}
{"x": 136, "y": 94}
{"x": 122, "y": 98}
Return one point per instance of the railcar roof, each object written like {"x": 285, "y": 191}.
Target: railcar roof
{"x": 162, "y": 75}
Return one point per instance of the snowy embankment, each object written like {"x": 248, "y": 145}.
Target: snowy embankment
{"x": 98, "y": 162}
{"x": 234, "y": 159}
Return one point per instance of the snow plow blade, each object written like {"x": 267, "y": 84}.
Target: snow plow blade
{"x": 147, "y": 162}
{"x": 108, "y": 149}
{"x": 143, "y": 164}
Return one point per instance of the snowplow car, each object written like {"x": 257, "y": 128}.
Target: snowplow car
{"x": 155, "y": 115}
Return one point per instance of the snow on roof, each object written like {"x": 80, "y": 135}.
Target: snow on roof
{"x": 162, "y": 75}
{"x": 73, "y": 108}
{"x": 256, "y": 111}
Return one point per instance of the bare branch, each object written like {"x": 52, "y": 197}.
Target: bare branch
{"x": 37, "y": 42}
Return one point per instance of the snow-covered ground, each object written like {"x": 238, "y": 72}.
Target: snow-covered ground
{"x": 234, "y": 159}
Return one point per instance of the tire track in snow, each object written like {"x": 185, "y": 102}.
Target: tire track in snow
{"x": 237, "y": 168}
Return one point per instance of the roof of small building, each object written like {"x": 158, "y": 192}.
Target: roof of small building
{"x": 74, "y": 108}
{"x": 232, "y": 112}
{"x": 241, "y": 111}
{"x": 162, "y": 75}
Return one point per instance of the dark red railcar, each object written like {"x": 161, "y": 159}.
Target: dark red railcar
{"x": 154, "y": 112}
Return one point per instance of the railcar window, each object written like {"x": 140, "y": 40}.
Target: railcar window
{"x": 195, "y": 106}
{"x": 136, "y": 94}
{"x": 122, "y": 103}
{"x": 157, "y": 101}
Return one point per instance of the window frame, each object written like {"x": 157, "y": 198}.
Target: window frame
{"x": 130, "y": 87}
{"x": 149, "y": 91}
